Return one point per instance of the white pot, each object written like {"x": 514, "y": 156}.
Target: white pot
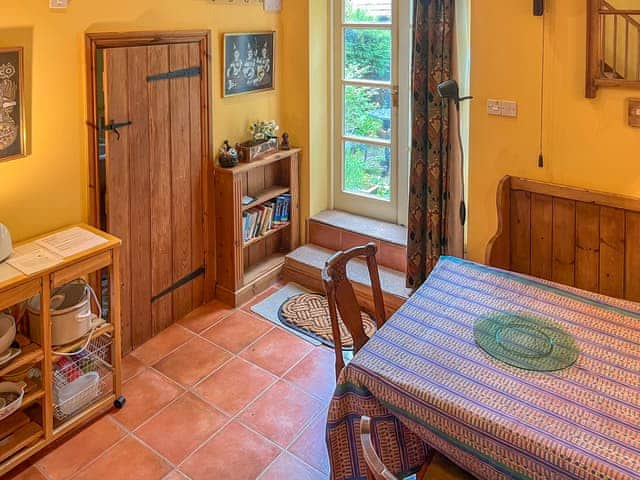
{"x": 18, "y": 389}
{"x": 6, "y": 247}
{"x": 71, "y": 316}
{"x": 7, "y": 332}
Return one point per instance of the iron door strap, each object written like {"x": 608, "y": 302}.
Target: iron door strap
{"x": 185, "y": 72}
{"x": 183, "y": 281}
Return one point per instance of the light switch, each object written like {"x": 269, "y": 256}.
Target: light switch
{"x": 634, "y": 112}
{"x": 494, "y": 107}
{"x": 58, "y": 3}
{"x": 509, "y": 109}
{"x": 272, "y": 5}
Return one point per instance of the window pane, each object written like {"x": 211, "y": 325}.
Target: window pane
{"x": 367, "y": 54}
{"x": 366, "y": 170}
{"x": 367, "y": 112}
{"x": 367, "y": 11}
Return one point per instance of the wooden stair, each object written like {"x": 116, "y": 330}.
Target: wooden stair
{"x": 304, "y": 266}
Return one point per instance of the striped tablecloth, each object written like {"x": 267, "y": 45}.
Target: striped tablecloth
{"x": 426, "y": 384}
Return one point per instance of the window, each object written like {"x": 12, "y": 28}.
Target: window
{"x": 372, "y": 115}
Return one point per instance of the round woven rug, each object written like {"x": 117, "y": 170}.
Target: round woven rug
{"x": 526, "y": 342}
{"x": 309, "y": 314}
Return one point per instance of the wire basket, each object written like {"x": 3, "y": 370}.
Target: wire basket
{"x": 81, "y": 379}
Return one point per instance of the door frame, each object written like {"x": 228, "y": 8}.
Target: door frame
{"x": 95, "y": 41}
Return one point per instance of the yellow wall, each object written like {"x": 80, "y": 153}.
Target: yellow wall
{"x": 586, "y": 142}
{"x": 47, "y": 189}
{"x": 305, "y": 103}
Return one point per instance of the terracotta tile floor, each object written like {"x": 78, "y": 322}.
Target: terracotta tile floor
{"x": 223, "y": 394}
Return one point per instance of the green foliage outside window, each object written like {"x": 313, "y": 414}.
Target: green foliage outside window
{"x": 367, "y": 54}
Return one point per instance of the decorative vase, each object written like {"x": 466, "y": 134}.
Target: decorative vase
{"x": 228, "y": 160}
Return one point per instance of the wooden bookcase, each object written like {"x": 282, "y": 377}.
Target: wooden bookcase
{"x": 246, "y": 269}
{"x": 37, "y": 423}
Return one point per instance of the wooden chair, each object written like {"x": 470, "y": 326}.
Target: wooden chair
{"x": 438, "y": 469}
{"x": 342, "y": 297}
{"x": 376, "y": 467}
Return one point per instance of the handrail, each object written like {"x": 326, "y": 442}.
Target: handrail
{"x": 609, "y": 47}
{"x": 626, "y": 14}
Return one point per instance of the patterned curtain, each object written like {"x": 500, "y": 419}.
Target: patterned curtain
{"x": 428, "y": 183}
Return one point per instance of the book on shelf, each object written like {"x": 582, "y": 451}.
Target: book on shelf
{"x": 259, "y": 220}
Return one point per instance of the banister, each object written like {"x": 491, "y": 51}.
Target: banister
{"x": 626, "y": 14}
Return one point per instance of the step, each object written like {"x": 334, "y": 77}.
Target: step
{"x": 337, "y": 230}
{"x": 304, "y": 266}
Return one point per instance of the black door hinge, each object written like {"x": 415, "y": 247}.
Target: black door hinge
{"x": 186, "y": 72}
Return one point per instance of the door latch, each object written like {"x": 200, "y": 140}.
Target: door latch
{"x": 114, "y": 126}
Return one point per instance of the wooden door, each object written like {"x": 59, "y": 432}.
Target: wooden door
{"x": 154, "y": 182}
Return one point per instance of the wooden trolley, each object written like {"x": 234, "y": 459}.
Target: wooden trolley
{"x": 39, "y": 421}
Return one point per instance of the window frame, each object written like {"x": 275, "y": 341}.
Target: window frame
{"x": 394, "y": 210}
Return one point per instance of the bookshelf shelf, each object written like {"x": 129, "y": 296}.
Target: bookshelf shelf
{"x": 261, "y": 238}
{"x": 266, "y": 195}
{"x": 244, "y": 269}
{"x": 264, "y": 266}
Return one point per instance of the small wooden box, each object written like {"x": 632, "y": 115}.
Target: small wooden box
{"x": 249, "y": 152}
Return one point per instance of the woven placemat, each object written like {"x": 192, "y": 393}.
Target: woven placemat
{"x": 309, "y": 314}
{"x": 526, "y": 342}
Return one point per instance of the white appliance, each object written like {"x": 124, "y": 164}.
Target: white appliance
{"x": 71, "y": 315}
{"x": 6, "y": 247}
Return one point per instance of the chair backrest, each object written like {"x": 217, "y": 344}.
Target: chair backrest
{"x": 376, "y": 467}
{"x": 342, "y": 297}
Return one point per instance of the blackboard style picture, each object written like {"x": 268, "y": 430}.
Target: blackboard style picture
{"x": 249, "y": 62}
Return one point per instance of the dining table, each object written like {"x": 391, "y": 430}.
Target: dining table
{"x": 428, "y": 386}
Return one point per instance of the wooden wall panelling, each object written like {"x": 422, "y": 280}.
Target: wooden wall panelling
{"x": 632, "y": 257}
{"x": 181, "y": 177}
{"x": 142, "y": 325}
{"x": 521, "y": 231}
{"x": 595, "y": 236}
{"x": 118, "y": 197}
{"x": 541, "y": 236}
{"x": 161, "y": 233}
{"x": 587, "y": 274}
{"x": 197, "y": 206}
{"x": 612, "y": 234}
{"x": 564, "y": 244}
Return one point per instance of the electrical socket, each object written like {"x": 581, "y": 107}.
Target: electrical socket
{"x": 494, "y": 107}
{"x": 508, "y": 108}
{"x": 502, "y": 108}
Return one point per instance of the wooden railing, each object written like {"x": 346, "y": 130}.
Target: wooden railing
{"x": 613, "y": 47}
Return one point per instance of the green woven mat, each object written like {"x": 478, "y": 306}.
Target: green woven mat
{"x": 526, "y": 342}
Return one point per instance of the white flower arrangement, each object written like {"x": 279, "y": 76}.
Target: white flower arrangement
{"x": 261, "y": 130}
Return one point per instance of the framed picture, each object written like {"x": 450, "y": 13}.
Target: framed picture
{"x": 12, "y": 123}
{"x": 249, "y": 62}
